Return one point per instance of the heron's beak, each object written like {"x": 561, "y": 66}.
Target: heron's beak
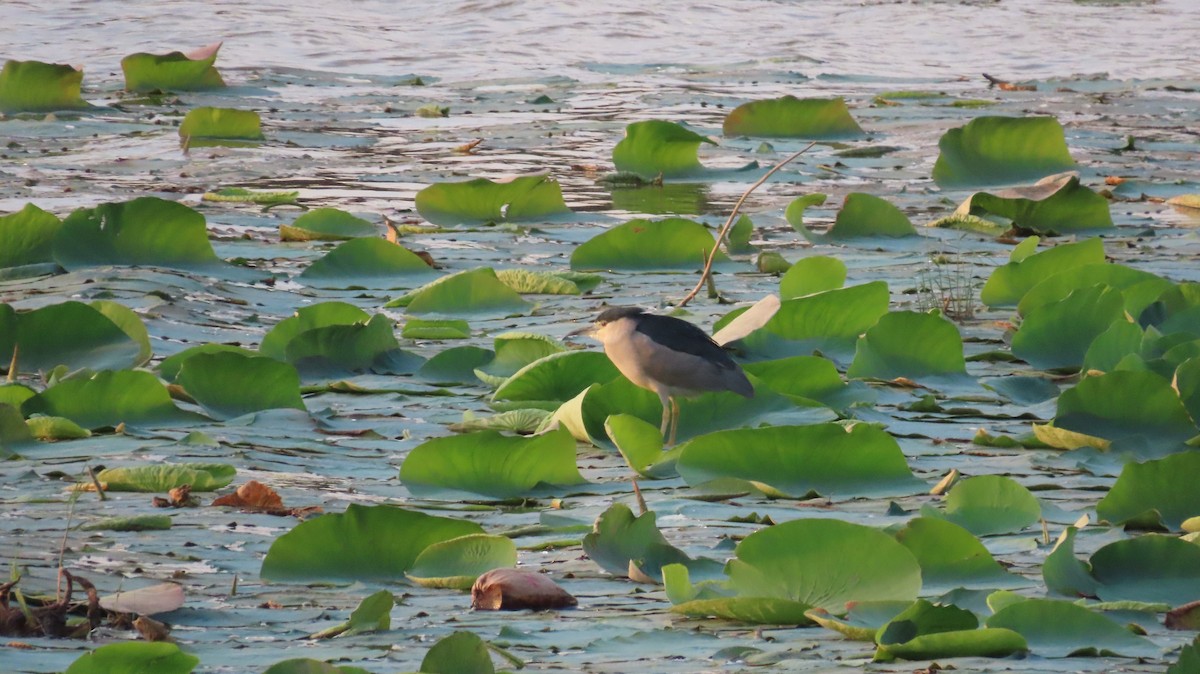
{"x": 585, "y": 331}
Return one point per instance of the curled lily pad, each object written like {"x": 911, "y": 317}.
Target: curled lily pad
{"x": 1026, "y": 268}
{"x": 1140, "y": 288}
{"x": 33, "y": 86}
{"x": 1154, "y": 493}
{"x": 812, "y": 275}
{"x": 323, "y": 314}
{"x": 528, "y": 282}
{"x": 868, "y": 215}
{"x": 862, "y": 620}
{"x": 481, "y": 200}
{"x": 830, "y": 322}
{"x": 558, "y": 376}
{"x": 1153, "y": 568}
{"x": 791, "y": 117}
{"x": 989, "y": 504}
{"x": 334, "y": 224}
{"x": 1120, "y": 340}
{"x": 638, "y": 245}
{"x": 513, "y": 351}
{"x": 373, "y": 614}
{"x": 151, "y": 657}
{"x": 1058, "y": 334}
{"x": 795, "y": 210}
{"x": 489, "y": 464}
{"x": 459, "y": 653}
{"x": 169, "y": 368}
{"x": 633, "y": 547}
{"x": 951, "y": 557}
{"x": 468, "y": 293}
{"x": 175, "y": 71}
{"x": 1058, "y": 629}
{"x": 456, "y": 563}
{"x": 909, "y": 344}
{"x": 27, "y": 237}
{"x": 367, "y": 262}
{"x": 656, "y": 148}
{"x": 1125, "y": 404}
{"x": 229, "y": 385}
{"x": 1056, "y": 204}
{"x": 641, "y": 443}
{"x": 110, "y": 398}
{"x": 800, "y": 461}
{"x": 925, "y": 631}
{"x": 205, "y": 125}
{"x": 1064, "y": 573}
{"x": 378, "y": 543}
{"x": 1001, "y": 151}
{"x": 144, "y": 231}
{"x": 56, "y": 428}
{"x": 73, "y": 334}
{"x": 165, "y": 477}
{"x": 810, "y": 377}
{"x": 356, "y": 347}
{"x": 15, "y": 436}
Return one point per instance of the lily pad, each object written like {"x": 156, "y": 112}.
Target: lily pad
{"x": 810, "y": 377}
{"x": 110, "y": 398}
{"x": 169, "y": 368}
{"x": 175, "y": 71}
{"x": 642, "y": 245}
{"x": 1059, "y": 629}
{"x": 27, "y": 237}
{"x": 1058, "y": 334}
{"x": 926, "y": 631}
{"x": 951, "y": 557}
{"x": 811, "y": 275}
{"x": 791, "y": 117}
{"x": 529, "y": 282}
{"x": 1109, "y": 348}
{"x": 632, "y": 547}
{"x": 1153, "y": 568}
{"x": 557, "y": 377}
{"x": 864, "y": 215}
{"x": 473, "y": 292}
{"x": 1140, "y": 288}
{"x": 489, "y": 464}
{"x": 366, "y": 263}
{"x": 1025, "y": 269}
{"x": 641, "y": 443}
{"x": 802, "y": 461}
{"x": 368, "y": 543}
{"x": 417, "y": 328}
{"x": 219, "y": 124}
{"x": 656, "y": 148}
{"x": 830, "y": 322}
{"x": 1064, "y": 573}
{"x": 513, "y": 351}
{"x": 71, "y": 333}
{"x": 167, "y": 476}
{"x": 862, "y": 619}
{"x": 140, "y": 657}
{"x": 33, "y": 86}
{"x": 334, "y": 224}
{"x": 459, "y": 653}
{"x": 795, "y": 210}
{"x": 1001, "y": 151}
{"x": 518, "y": 200}
{"x": 323, "y": 314}
{"x": 146, "y": 231}
{"x": 357, "y": 347}
{"x": 1056, "y": 204}
{"x": 373, "y": 614}
{"x": 1154, "y": 493}
{"x": 988, "y": 504}
{"x": 909, "y": 344}
{"x": 456, "y": 563}
{"x": 228, "y": 385}
{"x": 1125, "y": 404}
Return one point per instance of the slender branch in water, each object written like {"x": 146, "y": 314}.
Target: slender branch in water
{"x": 712, "y": 255}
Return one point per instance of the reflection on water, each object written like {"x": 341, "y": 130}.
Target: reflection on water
{"x": 476, "y": 39}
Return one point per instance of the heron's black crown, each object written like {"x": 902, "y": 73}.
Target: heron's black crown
{"x": 614, "y": 314}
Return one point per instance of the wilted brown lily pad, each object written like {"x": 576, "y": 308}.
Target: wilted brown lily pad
{"x": 516, "y": 589}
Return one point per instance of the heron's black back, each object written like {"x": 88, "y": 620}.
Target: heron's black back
{"x": 679, "y": 335}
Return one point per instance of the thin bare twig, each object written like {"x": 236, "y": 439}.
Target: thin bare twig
{"x": 96, "y": 482}
{"x": 712, "y": 255}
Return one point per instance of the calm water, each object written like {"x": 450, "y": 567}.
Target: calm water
{"x": 466, "y": 39}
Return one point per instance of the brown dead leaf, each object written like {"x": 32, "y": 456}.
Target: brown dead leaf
{"x": 427, "y": 258}
{"x": 515, "y": 589}
{"x": 151, "y": 629}
{"x": 1186, "y": 617}
{"x": 1113, "y": 180}
{"x": 468, "y": 148}
{"x": 253, "y": 495}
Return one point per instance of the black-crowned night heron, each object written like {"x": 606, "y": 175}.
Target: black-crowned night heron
{"x": 668, "y": 356}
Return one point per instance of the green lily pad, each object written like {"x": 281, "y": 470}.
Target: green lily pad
{"x": 909, "y": 344}
{"x": 641, "y": 443}
{"x": 139, "y": 523}
{"x": 801, "y": 461}
{"x": 1064, "y": 573}
{"x": 135, "y": 657}
{"x": 811, "y": 275}
{"x": 1059, "y": 629}
{"x": 456, "y": 365}
{"x": 175, "y": 71}
{"x": 169, "y": 368}
{"x": 417, "y": 328}
{"x": 810, "y": 377}
{"x": 513, "y": 351}
{"x": 459, "y": 653}
{"x": 373, "y": 614}
{"x": 71, "y": 333}
{"x": 323, "y": 314}
{"x": 489, "y": 464}
{"x": 632, "y": 547}
{"x": 1177, "y": 309}
{"x": 310, "y": 666}
{"x": 368, "y": 543}
{"x": 1125, "y": 404}
{"x": 56, "y": 428}
{"x": 456, "y": 563}
{"x": 15, "y": 435}
{"x": 1109, "y": 348}
{"x": 357, "y": 347}
{"x": 558, "y": 377}
{"x": 1058, "y": 334}
{"x": 795, "y": 210}
{"x": 228, "y": 385}
{"x": 1140, "y": 288}
{"x": 366, "y": 262}
{"x": 33, "y": 86}
{"x": 334, "y": 224}
{"x": 27, "y": 237}
{"x": 528, "y": 282}
{"x": 518, "y": 200}
{"x": 644, "y": 245}
{"x": 219, "y": 124}
{"x": 829, "y": 322}
{"x": 862, "y": 620}
{"x": 167, "y": 476}
{"x": 1056, "y": 204}
{"x": 1187, "y": 383}
{"x": 146, "y": 231}
{"x": 656, "y": 148}
{"x": 1153, "y": 568}
{"x": 925, "y": 631}
{"x": 951, "y": 557}
{"x": 473, "y": 292}
{"x": 988, "y": 504}
{"x": 1154, "y": 493}
{"x": 1009, "y": 283}
{"x": 1001, "y": 151}
{"x": 864, "y": 214}
{"x": 791, "y": 117}
{"x": 110, "y": 398}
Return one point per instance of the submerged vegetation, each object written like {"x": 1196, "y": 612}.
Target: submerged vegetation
{"x": 293, "y": 306}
